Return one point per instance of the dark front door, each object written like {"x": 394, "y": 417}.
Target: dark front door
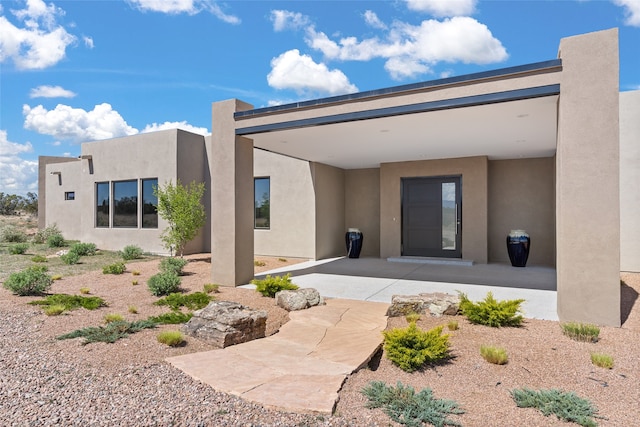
{"x": 431, "y": 217}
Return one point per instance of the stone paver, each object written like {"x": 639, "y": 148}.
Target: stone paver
{"x": 303, "y": 366}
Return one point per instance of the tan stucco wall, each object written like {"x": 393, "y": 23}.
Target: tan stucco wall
{"x": 292, "y": 206}
{"x": 65, "y": 214}
{"x": 43, "y": 178}
{"x": 362, "y": 207}
{"x": 522, "y": 196}
{"x": 630, "y": 181}
{"x": 328, "y": 183}
{"x": 474, "y": 173}
{"x": 587, "y": 168}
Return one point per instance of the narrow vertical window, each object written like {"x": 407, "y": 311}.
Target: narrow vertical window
{"x": 102, "y": 204}
{"x": 262, "y": 199}
{"x": 125, "y": 203}
{"x": 149, "y": 204}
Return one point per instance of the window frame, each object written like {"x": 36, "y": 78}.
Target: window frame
{"x": 142, "y": 203}
{"x": 69, "y": 195}
{"x": 116, "y": 207}
{"x": 98, "y": 207}
{"x": 256, "y": 218}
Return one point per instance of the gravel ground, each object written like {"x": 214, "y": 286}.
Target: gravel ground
{"x": 44, "y": 381}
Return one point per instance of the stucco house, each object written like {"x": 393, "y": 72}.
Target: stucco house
{"x": 442, "y": 168}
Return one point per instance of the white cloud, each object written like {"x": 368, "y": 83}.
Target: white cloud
{"x": 631, "y": 10}
{"x": 175, "y": 125}
{"x": 41, "y": 43}
{"x": 291, "y": 70}
{"x": 51, "y": 92}
{"x": 444, "y": 8}
{"x": 190, "y": 7}
{"x": 286, "y": 20}
{"x": 400, "y": 67}
{"x": 17, "y": 175}
{"x": 88, "y": 41}
{"x": 372, "y": 20}
{"x": 76, "y": 124}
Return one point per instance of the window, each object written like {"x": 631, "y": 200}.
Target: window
{"x": 149, "y": 204}
{"x": 125, "y": 203}
{"x": 102, "y": 204}
{"x": 69, "y": 195}
{"x": 262, "y": 200}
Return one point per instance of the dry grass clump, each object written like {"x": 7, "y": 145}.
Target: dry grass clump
{"x": 171, "y": 338}
{"x": 495, "y": 355}
{"x": 581, "y": 331}
{"x": 602, "y": 360}
{"x": 113, "y": 317}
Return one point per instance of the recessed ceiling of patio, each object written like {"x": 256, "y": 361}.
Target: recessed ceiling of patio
{"x": 506, "y": 130}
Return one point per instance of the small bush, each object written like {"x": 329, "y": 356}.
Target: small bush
{"x": 412, "y": 317}
{"x": 194, "y": 301}
{"x": 172, "y": 318}
{"x": 134, "y": 282}
{"x": 84, "y": 249}
{"x": 210, "y": 288}
{"x": 110, "y": 333}
{"x": 452, "y": 325}
{"x": 115, "y": 268}
{"x": 55, "y": 241}
{"x": 495, "y": 355}
{"x": 38, "y": 258}
{"x": 581, "y": 331}
{"x": 70, "y": 258}
{"x": 54, "y": 310}
{"x": 171, "y": 338}
{"x": 85, "y": 291}
{"x": 132, "y": 309}
{"x": 113, "y": 317}
{"x": 602, "y": 360}
{"x": 71, "y": 302}
{"x": 18, "y": 248}
{"x": 411, "y": 348}
{"x": 42, "y": 235}
{"x": 32, "y": 281}
{"x": 135, "y": 272}
{"x": 130, "y": 252}
{"x": 282, "y": 259}
{"x": 258, "y": 263}
{"x": 173, "y": 265}
{"x": 490, "y": 312}
{"x": 56, "y": 277}
{"x": 12, "y": 234}
{"x": 566, "y": 406}
{"x": 269, "y": 286}
{"x": 403, "y": 405}
{"x": 164, "y": 283}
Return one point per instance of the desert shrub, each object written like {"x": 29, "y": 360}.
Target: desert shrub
{"x": 132, "y": 309}
{"x": 194, "y": 301}
{"x": 11, "y": 234}
{"x": 602, "y": 360}
{"x": 210, "y": 288}
{"x": 135, "y": 272}
{"x": 164, "y": 283}
{"x": 38, "y": 258}
{"x": 491, "y": 312}
{"x": 31, "y": 281}
{"x": 43, "y": 234}
{"x": 173, "y": 265}
{"x": 411, "y": 348}
{"x": 171, "y": 338}
{"x": 115, "y": 268}
{"x": 55, "y": 241}
{"x": 282, "y": 259}
{"x": 70, "y": 258}
{"x": 85, "y": 291}
{"x": 581, "y": 331}
{"x": 259, "y": 263}
{"x": 452, "y": 325}
{"x": 18, "y": 248}
{"x": 84, "y": 249}
{"x": 56, "y": 277}
{"x": 54, "y": 310}
{"x": 134, "y": 282}
{"x": 412, "y": 317}
{"x": 566, "y": 406}
{"x": 113, "y": 317}
{"x": 495, "y": 355}
{"x": 269, "y": 286}
{"x": 110, "y": 333}
{"x": 172, "y": 318}
{"x": 130, "y": 252}
{"x": 403, "y": 405}
{"x": 71, "y": 302}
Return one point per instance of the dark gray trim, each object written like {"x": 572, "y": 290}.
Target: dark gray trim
{"x": 537, "y": 66}
{"x": 467, "y": 101}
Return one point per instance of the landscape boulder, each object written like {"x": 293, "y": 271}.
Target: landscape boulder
{"x": 436, "y": 304}
{"x": 225, "y": 323}
{"x": 298, "y": 299}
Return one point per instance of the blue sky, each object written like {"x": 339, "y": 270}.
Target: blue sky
{"x": 77, "y": 71}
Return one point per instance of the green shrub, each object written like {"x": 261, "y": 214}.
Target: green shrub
{"x": 581, "y": 331}
{"x": 18, "y": 248}
{"x": 39, "y": 258}
{"x": 113, "y": 317}
{"x": 115, "y": 268}
{"x": 602, "y": 360}
{"x": 194, "y": 301}
{"x": 411, "y": 348}
{"x": 42, "y": 235}
{"x": 172, "y": 318}
{"x": 171, "y": 338}
{"x": 404, "y": 406}
{"x": 71, "y": 302}
{"x": 566, "y": 406}
{"x": 164, "y": 283}
{"x": 32, "y": 281}
{"x": 11, "y": 234}
{"x": 452, "y": 325}
{"x": 211, "y": 288}
{"x": 130, "y": 252}
{"x": 412, "y": 317}
{"x": 490, "y": 312}
{"x": 55, "y": 241}
{"x": 54, "y": 310}
{"x": 84, "y": 249}
{"x": 110, "y": 333}
{"x": 70, "y": 258}
{"x": 495, "y": 355}
{"x": 173, "y": 265}
{"x": 269, "y": 286}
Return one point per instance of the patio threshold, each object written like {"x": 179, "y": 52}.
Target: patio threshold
{"x": 432, "y": 260}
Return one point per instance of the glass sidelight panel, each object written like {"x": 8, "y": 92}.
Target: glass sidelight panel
{"x": 449, "y": 216}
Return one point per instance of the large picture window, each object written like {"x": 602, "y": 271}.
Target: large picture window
{"x": 149, "y": 204}
{"x": 125, "y": 203}
{"x": 102, "y": 204}
{"x": 262, "y": 198}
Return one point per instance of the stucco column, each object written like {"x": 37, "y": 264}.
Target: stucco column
{"x": 231, "y": 165}
{"x": 587, "y": 180}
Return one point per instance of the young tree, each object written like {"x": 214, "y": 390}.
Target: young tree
{"x": 182, "y": 208}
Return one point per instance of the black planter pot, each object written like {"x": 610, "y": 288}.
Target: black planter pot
{"x": 518, "y": 245}
{"x": 353, "y": 239}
